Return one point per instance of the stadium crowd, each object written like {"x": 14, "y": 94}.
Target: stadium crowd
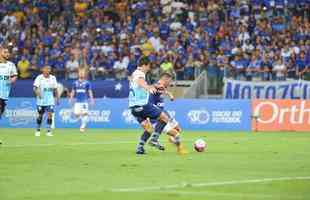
{"x": 244, "y": 39}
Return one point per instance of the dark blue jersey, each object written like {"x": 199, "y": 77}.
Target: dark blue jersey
{"x": 81, "y": 89}
{"x": 157, "y": 99}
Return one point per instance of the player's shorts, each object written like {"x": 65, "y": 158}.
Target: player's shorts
{"x": 43, "y": 109}
{"x": 80, "y": 108}
{"x": 141, "y": 113}
{"x": 2, "y": 106}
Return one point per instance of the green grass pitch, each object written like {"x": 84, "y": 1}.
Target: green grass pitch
{"x": 102, "y": 165}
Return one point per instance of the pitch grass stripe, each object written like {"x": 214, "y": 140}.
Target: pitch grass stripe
{"x": 101, "y": 143}
{"x": 240, "y": 195}
{"x": 69, "y": 144}
{"x": 210, "y": 184}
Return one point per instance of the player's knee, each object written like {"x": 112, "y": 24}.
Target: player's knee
{"x": 49, "y": 120}
{"x": 50, "y": 115}
{"x": 147, "y": 126}
{"x": 160, "y": 127}
{"x": 39, "y": 119}
{"x": 164, "y": 117}
{"x": 170, "y": 127}
{"x": 178, "y": 128}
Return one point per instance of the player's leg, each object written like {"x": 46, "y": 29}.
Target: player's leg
{"x": 139, "y": 114}
{"x": 2, "y": 107}
{"x": 40, "y": 111}
{"x": 84, "y": 117}
{"x": 159, "y": 126}
{"x": 50, "y": 111}
{"x": 171, "y": 139}
{"x": 77, "y": 111}
{"x": 148, "y": 129}
{"x": 171, "y": 130}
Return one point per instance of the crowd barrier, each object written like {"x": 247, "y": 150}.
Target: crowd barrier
{"x": 295, "y": 89}
{"x": 114, "y": 113}
{"x": 192, "y": 114}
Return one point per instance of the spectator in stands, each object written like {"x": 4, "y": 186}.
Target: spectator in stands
{"x": 266, "y": 67}
{"x": 167, "y": 64}
{"x": 279, "y": 69}
{"x": 238, "y": 28}
{"x": 72, "y": 67}
{"x": 239, "y": 65}
{"x": 24, "y": 68}
{"x": 303, "y": 65}
{"x": 120, "y": 67}
{"x": 254, "y": 68}
{"x": 189, "y": 68}
{"x": 213, "y": 76}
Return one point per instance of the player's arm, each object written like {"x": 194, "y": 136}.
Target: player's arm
{"x": 36, "y": 88}
{"x": 13, "y": 73}
{"x": 72, "y": 94}
{"x": 170, "y": 95}
{"x": 55, "y": 91}
{"x": 56, "y": 95}
{"x": 142, "y": 83}
{"x": 13, "y": 78}
{"x": 91, "y": 96}
{"x": 37, "y": 91}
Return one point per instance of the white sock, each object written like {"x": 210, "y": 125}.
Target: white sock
{"x": 84, "y": 120}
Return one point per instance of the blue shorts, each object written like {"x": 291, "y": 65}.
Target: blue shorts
{"x": 141, "y": 113}
{"x": 42, "y": 109}
{"x": 159, "y": 125}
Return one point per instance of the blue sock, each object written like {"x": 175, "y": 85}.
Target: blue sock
{"x": 143, "y": 139}
{"x": 155, "y": 136}
{"x": 177, "y": 140}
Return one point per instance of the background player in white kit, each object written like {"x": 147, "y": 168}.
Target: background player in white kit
{"x": 81, "y": 90}
{"x": 8, "y": 75}
{"x": 45, "y": 88}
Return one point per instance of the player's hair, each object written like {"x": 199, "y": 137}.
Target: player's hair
{"x": 165, "y": 74}
{"x": 144, "y": 61}
{"x": 46, "y": 67}
{"x": 6, "y": 45}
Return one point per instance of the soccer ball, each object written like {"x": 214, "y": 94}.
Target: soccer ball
{"x": 200, "y": 145}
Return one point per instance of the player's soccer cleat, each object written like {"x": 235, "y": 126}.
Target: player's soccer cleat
{"x": 181, "y": 150}
{"x": 37, "y": 133}
{"x": 140, "y": 151}
{"x": 157, "y": 145}
{"x": 82, "y": 130}
{"x": 49, "y": 134}
{"x": 1, "y": 142}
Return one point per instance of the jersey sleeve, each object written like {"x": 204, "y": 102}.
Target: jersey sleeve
{"x": 55, "y": 84}
{"x": 73, "y": 86}
{"x": 37, "y": 82}
{"x": 89, "y": 87}
{"x": 13, "y": 71}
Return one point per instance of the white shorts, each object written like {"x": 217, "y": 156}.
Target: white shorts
{"x": 80, "y": 108}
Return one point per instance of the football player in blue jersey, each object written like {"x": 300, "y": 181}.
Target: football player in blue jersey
{"x": 158, "y": 99}
{"x": 143, "y": 110}
{"x": 81, "y": 91}
{"x": 45, "y": 89}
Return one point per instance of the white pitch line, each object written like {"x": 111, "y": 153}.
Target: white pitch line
{"x": 208, "y": 184}
{"x": 68, "y": 144}
{"x": 248, "y": 195}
